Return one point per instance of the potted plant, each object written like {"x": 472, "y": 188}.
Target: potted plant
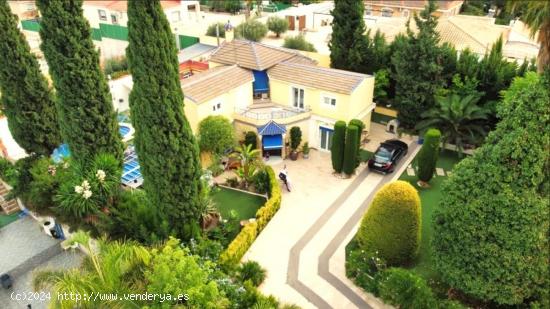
{"x": 295, "y": 140}
{"x": 305, "y": 150}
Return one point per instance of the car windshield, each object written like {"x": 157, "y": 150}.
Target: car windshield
{"x": 383, "y": 155}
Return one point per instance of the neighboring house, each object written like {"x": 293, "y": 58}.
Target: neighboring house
{"x": 9, "y": 148}
{"x": 406, "y": 8}
{"x": 108, "y": 20}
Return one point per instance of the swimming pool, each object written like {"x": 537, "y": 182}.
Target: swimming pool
{"x": 126, "y": 131}
{"x": 123, "y": 130}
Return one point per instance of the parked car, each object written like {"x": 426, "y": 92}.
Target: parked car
{"x": 387, "y": 155}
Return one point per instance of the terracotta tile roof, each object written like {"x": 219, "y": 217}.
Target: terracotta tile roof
{"x": 317, "y": 77}
{"x": 121, "y": 5}
{"x": 253, "y": 55}
{"x": 442, "y": 5}
{"x": 210, "y": 84}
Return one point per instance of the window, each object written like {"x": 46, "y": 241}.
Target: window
{"x": 102, "y": 14}
{"x": 175, "y": 16}
{"x": 329, "y": 101}
{"x": 114, "y": 19}
{"x": 387, "y": 12}
{"x": 216, "y": 107}
{"x": 368, "y": 10}
{"x": 298, "y": 97}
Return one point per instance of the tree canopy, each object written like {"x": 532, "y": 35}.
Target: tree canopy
{"x": 26, "y": 98}
{"x": 347, "y": 40}
{"x": 85, "y": 110}
{"x": 168, "y": 152}
{"x": 489, "y": 234}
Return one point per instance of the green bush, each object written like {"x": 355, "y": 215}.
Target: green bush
{"x": 251, "y": 138}
{"x": 350, "y": 150}
{"x": 337, "y": 149}
{"x": 8, "y": 172}
{"x": 402, "y": 288}
{"x": 360, "y": 126}
{"x": 391, "y": 225}
{"x": 428, "y": 155}
{"x": 295, "y": 137}
{"x": 238, "y": 247}
{"x": 215, "y": 134}
{"x": 277, "y": 25}
{"x": 270, "y": 208}
{"x": 261, "y": 181}
{"x": 252, "y": 30}
{"x": 114, "y": 65}
{"x": 251, "y": 270}
{"x": 298, "y": 42}
{"x": 216, "y": 168}
{"x": 211, "y": 31}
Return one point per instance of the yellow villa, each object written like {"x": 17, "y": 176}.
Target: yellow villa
{"x": 268, "y": 90}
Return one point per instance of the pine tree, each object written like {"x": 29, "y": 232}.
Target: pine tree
{"x": 26, "y": 98}
{"x": 86, "y": 116}
{"x": 168, "y": 153}
{"x": 348, "y": 41}
{"x": 416, "y": 68}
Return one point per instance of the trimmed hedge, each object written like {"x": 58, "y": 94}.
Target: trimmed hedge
{"x": 361, "y": 126}
{"x": 428, "y": 155}
{"x": 337, "y": 149}
{"x": 391, "y": 226}
{"x": 350, "y": 150}
{"x": 238, "y": 247}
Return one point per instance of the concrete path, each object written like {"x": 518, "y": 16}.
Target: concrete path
{"x": 303, "y": 247}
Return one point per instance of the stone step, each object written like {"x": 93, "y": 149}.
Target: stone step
{"x": 10, "y": 207}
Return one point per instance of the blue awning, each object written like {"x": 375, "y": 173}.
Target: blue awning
{"x": 261, "y": 83}
{"x": 271, "y": 128}
{"x": 272, "y": 141}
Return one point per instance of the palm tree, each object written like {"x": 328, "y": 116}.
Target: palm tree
{"x": 110, "y": 267}
{"x": 536, "y": 15}
{"x": 458, "y": 118}
{"x": 248, "y": 157}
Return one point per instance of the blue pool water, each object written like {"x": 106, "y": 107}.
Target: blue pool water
{"x": 123, "y": 130}
{"x": 61, "y": 153}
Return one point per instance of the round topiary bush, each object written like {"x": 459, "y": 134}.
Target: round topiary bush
{"x": 391, "y": 225}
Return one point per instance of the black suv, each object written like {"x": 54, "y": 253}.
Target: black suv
{"x": 387, "y": 155}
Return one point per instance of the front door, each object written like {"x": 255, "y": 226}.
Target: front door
{"x": 325, "y": 135}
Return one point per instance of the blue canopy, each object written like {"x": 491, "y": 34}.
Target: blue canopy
{"x": 260, "y": 83}
{"x": 272, "y": 141}
{"x": 271, "y": 128}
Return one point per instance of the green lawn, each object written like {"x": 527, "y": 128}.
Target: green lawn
{"x": 365, "y": 155}
{"x": 430, "y": 200}
{"x": 5, "y": 220}
{"x": 244, "y": 204}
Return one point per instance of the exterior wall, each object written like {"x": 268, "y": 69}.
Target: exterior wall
{"x": 281, "y": 93}
{"x": 120, "y": 93}
{"x": 213, "y": 64}
{"x": 322, "y": 60}
{"x": 361, "y": 98}
{"x": 196, "y": 112}
{"x": 111, "y": 48}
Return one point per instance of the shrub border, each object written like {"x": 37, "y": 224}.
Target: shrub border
{"x": 242, "y": 242}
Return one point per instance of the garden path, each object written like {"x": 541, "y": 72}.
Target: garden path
{"x": 303, "y": 246}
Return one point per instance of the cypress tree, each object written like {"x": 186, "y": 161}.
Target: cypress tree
{"x": 416, "y": 68}
{"x": 337, "y": 149}
{"x": 168, "y": 152}
{"x": 26, "y": 99}
{"x": 350, "y": 149}
{"x": 86, "y": 116}
{"x": 428, "y": 155}
{"x": 347, "y": 43}
{"x": 360, "y": 127}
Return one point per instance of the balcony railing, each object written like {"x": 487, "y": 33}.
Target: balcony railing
{"x": 269, "y": 113}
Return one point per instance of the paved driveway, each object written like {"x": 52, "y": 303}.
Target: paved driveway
{"x": 302, "y": 247}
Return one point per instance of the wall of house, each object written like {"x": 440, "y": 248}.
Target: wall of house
{"x": 120, "y": 93}
{"x": 197, "y": 112}
{"x": 361, "y": 98}
{"x": 281, "y": 93}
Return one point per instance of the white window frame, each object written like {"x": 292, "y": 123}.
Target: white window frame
{"x": 114, "y": 19}
{"x": 102, "y": 15}
{"x": 297, "y": 104}
{"x": 325, "y": 96}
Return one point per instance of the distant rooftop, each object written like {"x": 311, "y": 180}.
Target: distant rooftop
{"x": 442, "y": 5}
{"x": 253, "y": 55}
{"x": 122, "y": 5}
{"x": 194, "y": 51}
